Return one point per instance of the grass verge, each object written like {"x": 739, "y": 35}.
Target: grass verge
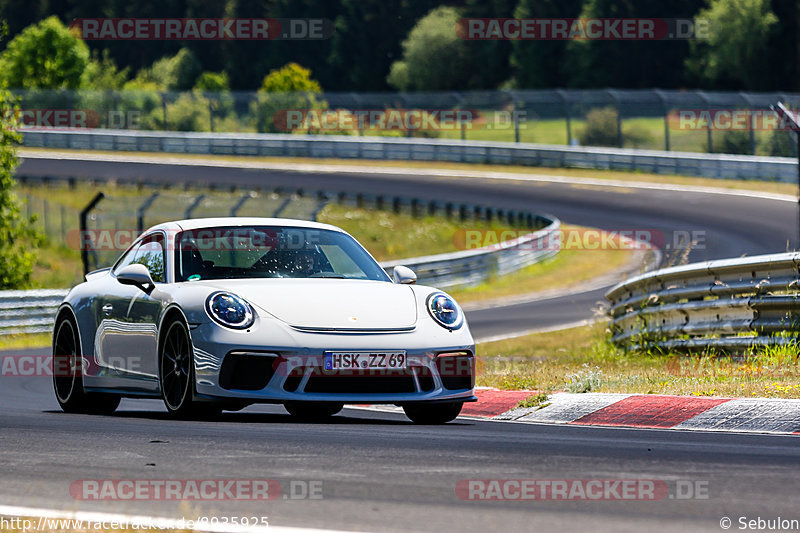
{"x": 572, "y": 266}
{"x": 582, "y": 360}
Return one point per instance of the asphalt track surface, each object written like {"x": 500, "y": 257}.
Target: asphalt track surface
{"x": 731, "y": 226}
{"x": 378, "y": 471}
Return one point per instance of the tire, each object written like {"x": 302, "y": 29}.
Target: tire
{"x": 176, "y": 375}
{"x": 433, "y": 413}
{"x": 313, "y": 411}
{"x": 68, "y": 374}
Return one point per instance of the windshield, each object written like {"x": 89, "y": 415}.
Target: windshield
{"x": 271, "y": 252}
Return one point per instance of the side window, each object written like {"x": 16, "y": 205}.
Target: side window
{"x": 151, "y": 255}
{"x": 128, "y": 258}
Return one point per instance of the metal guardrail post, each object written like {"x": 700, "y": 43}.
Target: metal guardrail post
{"x": 84, "y": 215}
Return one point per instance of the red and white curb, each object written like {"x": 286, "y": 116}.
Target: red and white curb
{"x": 752, "y": 415}
{"x": 654, "y": 411}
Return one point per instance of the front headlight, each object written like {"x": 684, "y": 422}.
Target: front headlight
{"x": 230, "y": 310}
{"x": 445, "y": 311}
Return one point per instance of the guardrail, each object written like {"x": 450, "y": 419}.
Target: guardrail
{"x": 351, "y": 147}
{"x": 29, "y": 311}
{"x": 727, "y": 305}
{"x": 471, "y": 267}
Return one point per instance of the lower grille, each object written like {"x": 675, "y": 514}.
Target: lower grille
{"x": 360, "y": 384}
{"x": 243, "y": 371}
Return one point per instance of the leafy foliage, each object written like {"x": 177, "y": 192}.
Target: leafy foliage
{"x": 18, "y": 238}
{"x": 46, "y": 56}
{"x": 288, "y": 88}
{"x": 435, "y": 58}
{"x": 738, "y": 34}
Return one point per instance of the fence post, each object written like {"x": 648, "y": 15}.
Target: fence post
{"x": 613, "y": 94}
{"x": 665, "y": 106}
{"x": 164, "y": 110}
{"x": 750, "y": 122}
{"x": 142, "y": 208}
{"x": 565, "y": 100}
{"x": 193, "y": 206}
{"x": 707, "y": 102}
{"x": 82, "y": 242}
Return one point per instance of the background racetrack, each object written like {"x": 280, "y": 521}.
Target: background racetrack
{"x": 733, "y": 224}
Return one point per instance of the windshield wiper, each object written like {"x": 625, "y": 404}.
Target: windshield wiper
{"x": 326, "y": 275}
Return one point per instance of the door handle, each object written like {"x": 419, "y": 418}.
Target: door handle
{"x": 108, "y": 308}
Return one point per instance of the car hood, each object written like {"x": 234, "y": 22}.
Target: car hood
{"x": 330, "y": 303}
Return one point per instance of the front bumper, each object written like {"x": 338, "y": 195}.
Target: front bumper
{"x": 285, "y": 364}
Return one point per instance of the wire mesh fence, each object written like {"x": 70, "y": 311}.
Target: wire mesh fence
{"x": 692, "y": 121}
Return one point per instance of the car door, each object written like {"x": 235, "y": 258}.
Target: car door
{"x": 129, "y": 340}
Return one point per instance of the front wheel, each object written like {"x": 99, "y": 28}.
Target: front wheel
{"x": 176, "y": 375}
{"x": 67, "y": 367}
{"x": 433, "y": 413}
{"x": 313, "y": 411}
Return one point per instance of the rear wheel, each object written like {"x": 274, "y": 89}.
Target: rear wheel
{"x": 68, "y": 374}
{"x": 313, "y": 411}
{"x": 433, "y": 413}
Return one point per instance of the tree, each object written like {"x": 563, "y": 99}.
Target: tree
{"x": 288, "y": 88}
{"x": 541, "y": 63}
{"x": 629, "y": 64}
{"x": 18, "y": 238}
{"x": 102, "y": 73}
{"x": 733, "y": 54}
{"x": 435, "y": 58}
{"x": 44, "y": 56}
{"x": 172, "y": 73}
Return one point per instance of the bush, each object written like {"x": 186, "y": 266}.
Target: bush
{"x": 780, "y": 143}
{"x": 600, "y": 129}
{"x": 734, "y": 142}
{"x": 288, "y": 88}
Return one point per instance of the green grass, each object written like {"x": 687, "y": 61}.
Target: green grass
{"x": 569, "y": 268}
{"x": 581, "y": 359}
{"x": 390, "y": 236}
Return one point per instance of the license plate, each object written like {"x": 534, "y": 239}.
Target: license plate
{"x": 364, "y": 360}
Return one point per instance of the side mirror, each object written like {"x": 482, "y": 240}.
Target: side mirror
{"x": 404, "y": 275}
{"x": 136, "y": 274}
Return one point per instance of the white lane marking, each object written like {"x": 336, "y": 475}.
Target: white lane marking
{"x": 434, "y": 172}
{"x": 149, "y": 522}
{"x": 549, "y": 329}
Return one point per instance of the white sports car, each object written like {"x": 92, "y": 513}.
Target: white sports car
{"x": 217, "y": 314}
